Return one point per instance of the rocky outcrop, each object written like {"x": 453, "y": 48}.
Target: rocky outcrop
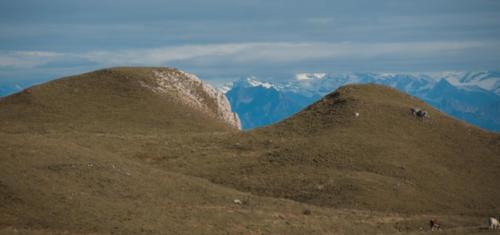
{"x": 191, "y": 91}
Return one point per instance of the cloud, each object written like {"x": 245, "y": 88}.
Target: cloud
{"x": 254, "y": 37}
{"x": 284, "y": 52}
{"x": 69, "y": 62}
{"x": 255, "y": 54}
{"x": 27, "y": 59}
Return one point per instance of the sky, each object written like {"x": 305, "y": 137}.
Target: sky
{"x": 227, "y": 39}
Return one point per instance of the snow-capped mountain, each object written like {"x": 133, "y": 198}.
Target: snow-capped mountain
{"x": 489, "y": 80}
{"x": 262, "y": 103}
{"x": 471, "y": 96}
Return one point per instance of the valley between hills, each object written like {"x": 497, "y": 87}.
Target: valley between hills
{"x": 157, "y": 151}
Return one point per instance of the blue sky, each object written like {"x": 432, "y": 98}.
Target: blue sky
{"x": 220, "y": 39}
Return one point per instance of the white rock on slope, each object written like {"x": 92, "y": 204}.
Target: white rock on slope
{"x": 195, "y": 93}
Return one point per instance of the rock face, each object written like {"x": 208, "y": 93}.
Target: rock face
{"x": 193, "y": 92}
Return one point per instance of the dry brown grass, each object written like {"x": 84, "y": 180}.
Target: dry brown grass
{"x": 99, "y": 154}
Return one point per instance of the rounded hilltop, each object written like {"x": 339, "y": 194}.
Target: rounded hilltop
{"x": 363, "y": 147}
{"x": 137, "y": 99}
{"x": 372, "y": 108}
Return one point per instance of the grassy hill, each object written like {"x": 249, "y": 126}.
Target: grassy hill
{"x": 100, "y": 153}
{"x": 117, "y": 100}
{"x": 386, "y": 159}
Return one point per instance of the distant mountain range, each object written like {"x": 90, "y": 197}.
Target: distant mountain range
{"x": 7, "y": 89}
{"x": 470, "y": 96}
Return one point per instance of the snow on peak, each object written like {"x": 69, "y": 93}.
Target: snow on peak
{"x": 309, "y": 76}
{"x": 254, "y": 82}
{"x": 489, "y": 81}
{"x": 486, "y": 80}
{"x": 225, "y": 88}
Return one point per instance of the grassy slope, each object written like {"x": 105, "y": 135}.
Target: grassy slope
{"x": 58, "y": 185}
{"x": 98, "y": 153}
{"x": 385, "y": 160}
{"x": 55, "y": 183}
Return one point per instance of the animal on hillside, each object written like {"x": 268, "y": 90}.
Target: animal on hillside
{"x": 419, "y": 113}
{"x": 434, "y": 225}
{"x": 28, "y": 91}
{"x": 237, "y": 201}
{"x": 493, "y": 223}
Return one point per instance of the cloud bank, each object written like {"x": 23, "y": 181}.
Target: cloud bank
{"x": 221, "y": 38}
{"x": 252, "y": 53}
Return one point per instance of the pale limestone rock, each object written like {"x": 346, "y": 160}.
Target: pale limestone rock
{"x": 191, "y": 91}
